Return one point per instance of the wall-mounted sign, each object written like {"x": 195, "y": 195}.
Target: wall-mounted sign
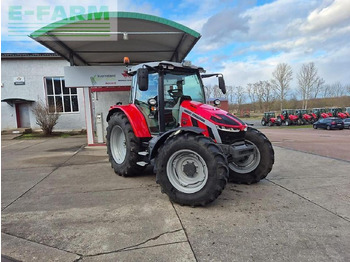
{"x": 90, "y": 76}
{"x": 19, "y": 80}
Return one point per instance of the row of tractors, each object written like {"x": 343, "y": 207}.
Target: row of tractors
{"x": 303, "y": 116}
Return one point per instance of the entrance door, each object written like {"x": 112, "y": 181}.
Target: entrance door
{"x": 22, "y": 112}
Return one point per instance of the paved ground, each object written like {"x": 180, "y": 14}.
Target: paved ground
{"x": 62, "y": 202}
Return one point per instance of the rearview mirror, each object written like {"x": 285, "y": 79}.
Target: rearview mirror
{"x": 222, "y": 84}
{"x": 142, "y": 79}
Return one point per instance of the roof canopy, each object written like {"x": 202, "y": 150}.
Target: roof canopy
{"x": 96, "y": 39}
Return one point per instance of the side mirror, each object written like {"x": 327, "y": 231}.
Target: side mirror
{"x": 222, "y": 84}
{"x": 142, "y": 79}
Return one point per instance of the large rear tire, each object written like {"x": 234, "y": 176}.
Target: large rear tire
{"x": 192, "y": 170}
{"x": 257, "y": 166}
{"x": 123, "y": 146}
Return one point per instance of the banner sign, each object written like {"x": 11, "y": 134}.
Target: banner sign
{"x": 93, "y": 76}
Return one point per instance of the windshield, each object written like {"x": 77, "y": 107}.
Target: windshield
{"x": 177, "y": 85}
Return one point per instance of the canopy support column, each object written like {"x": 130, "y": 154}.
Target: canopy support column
{"x": 88, "y": 115}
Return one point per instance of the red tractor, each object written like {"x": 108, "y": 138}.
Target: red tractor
{"x": 288, "y": 117}
{"x": 320, "y": 113}
{"x": 304, "y": 118}
{"x": 269, "y": 118}
{"x": 193, "y": 147}
{"x": 338, "y": 112}
{"x": 347, "y": 111}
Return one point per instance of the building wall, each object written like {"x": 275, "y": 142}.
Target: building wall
{"x": 102, "y": 101}
{"x": 34, "y": 71}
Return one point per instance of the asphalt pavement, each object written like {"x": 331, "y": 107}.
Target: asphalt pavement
{"x": 61, "y": 201}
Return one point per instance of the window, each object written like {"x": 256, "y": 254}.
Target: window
{"x": 60, "y": 98}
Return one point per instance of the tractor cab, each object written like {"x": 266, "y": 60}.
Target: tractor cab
{"x": 337, "y": 112}
{"x": 270, "y": 119}
{"x": 289, "y": 116}
{"x": 320, "y": 112}
{"x": 303, "y": 116}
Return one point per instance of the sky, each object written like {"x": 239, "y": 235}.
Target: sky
{"x": 244, "y": 40}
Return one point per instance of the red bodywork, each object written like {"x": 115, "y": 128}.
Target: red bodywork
{"x": 212, "y": 114}
{"x": 282, "y": 117}
{"x": 136, "y": 118}
{"x": 342, "y": 115}
{"x": 307, "y": 117}
{"x": 293, "y": 118}
{"x": 324, "y": 115}
{"x": 195, "y": 110}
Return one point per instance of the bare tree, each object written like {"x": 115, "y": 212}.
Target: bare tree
{"x": 309, "y": 81}
{"x": 46, "y": 117}
{"x": 208, "y": 91}
{"x": 230, "y": 93}
{"x": 318, "y": 87}
{"x": 240, "y": 96}
{"x": 264, "y": 92}
{"x": 251, "y": 94}
{"x": 337, "y": 90}
{"x": 282, "y": 76}
{"x": 326, "y": 91}
{"x": 217, "y": 93}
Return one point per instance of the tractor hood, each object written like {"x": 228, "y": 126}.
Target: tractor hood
{"x": 215, "y": 115}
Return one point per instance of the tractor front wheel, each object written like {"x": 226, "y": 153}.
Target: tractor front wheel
{"x": 191, "y": 170}
{"x": 251, "y": 169}
{"x": 123, "y": 146}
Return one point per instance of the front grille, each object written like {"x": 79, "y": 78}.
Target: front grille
{"x": 231, "y": 137}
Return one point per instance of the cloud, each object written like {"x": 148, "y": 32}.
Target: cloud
{"x": 284, "y": 31}
{"x": 331, "y": 16}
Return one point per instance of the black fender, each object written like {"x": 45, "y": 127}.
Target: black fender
{"x": 157, "y": 141}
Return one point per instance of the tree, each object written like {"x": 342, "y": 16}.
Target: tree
{"x": 251, "y": 94}
{"x": 208, "y": 91}
{"x": 337, "y": 90}
{"x": 264, "y": 93}
{"x": 44, "y": 118}
{"x": 309, "y": 82}
{"x": 282, "y": 76}
{"x": 239, "y": 92}
{"x": 230, "y": 93}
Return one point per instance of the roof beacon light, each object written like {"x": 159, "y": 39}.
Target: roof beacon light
{"x": 126, "y": 60}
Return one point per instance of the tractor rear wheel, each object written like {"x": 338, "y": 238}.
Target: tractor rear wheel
{"x": 263, "y": 122}
{"x": 192, "y": 170}
{"x": 257, "y": 166}
{"x": 288, "y": 122}
{"x": 123, "y": 146}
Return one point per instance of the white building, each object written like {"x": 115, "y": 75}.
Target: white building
{"x": 28, "y": 78}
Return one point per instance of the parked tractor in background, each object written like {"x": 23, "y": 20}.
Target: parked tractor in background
{"x": 288, "y": 117}
{"x": 347, "y": 111}
{"x": 269, "y": 118}
{"x": 193, "y": 147}
{"x": 304, "y": 118}
{"x": 320, "y": 113}
{"x": 337, "y": 112}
